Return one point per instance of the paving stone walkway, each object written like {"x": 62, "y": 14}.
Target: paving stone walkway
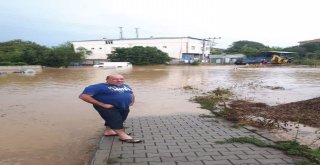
{"x": 186, "y": 140}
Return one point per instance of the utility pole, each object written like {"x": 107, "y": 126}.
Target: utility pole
{"x": 203, "y": 50}
{"x": 137, "y": 33}
{"x": 120, "y": 28}
{"x": 211, "y": 44}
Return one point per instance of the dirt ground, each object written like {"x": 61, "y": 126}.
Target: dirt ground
{"x": 305, "y": 112}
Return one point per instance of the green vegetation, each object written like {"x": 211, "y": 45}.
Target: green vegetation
{"x": 289, "y": 147}
{"x": 214, "y": 101}
{"x": 216, "y": 51}
{"x": 211, "y": 100}
{"x": 307, "y": 62}
{"x": 249, "y": 48}
{"x": 139, "y": 55}
{"x": 195, "y": 63}
{"x": 207, "y": 102}
{"x": 18, "y": 52}
{"x": 6, "y": 63}
{"x": 305, "y": 54}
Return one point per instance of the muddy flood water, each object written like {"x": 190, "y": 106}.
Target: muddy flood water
{"x": 42, "y": 121}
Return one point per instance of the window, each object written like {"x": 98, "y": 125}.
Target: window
{"x": 109, "y": 42}
{"x": 164, "y": 46}
{"x": 92, "y": 48}
{"x": 193, "y": 47}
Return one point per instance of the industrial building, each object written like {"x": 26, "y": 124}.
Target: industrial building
{"x": 184, "y": 49}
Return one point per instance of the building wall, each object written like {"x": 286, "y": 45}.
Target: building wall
{"x": 98, "y": 48}
{"x": 175, "y": 47}
{"x": 225, "y": 59}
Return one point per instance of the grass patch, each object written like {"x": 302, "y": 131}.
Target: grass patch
{"x": 215, "y": 102}
{"x": 289, "y": 147}
{"x": 221, "y": 92}
{"x": 211, "y": 99}
{"x": 303, "y": 162}
{"x": 207, "y": 102}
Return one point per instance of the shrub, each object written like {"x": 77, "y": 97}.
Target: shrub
{"x": 5, "y": 63}
{"x": 20, "y": 63}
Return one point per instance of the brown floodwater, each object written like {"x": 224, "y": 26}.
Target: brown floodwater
{"x": 42, "y": 121}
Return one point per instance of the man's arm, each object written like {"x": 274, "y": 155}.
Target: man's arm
{"x": 89, "y": 99}
{"x": 133, "y": 99}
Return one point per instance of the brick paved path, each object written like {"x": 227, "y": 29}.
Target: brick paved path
{"x": 185, "y": 140}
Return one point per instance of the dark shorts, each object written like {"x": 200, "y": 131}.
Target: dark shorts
{"x": 113, "y": 117}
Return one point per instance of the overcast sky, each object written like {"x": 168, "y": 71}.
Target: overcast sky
{"x": 52, "y": 22}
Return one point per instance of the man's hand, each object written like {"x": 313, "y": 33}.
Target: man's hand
{"x": 107, "y": 106}
{"x": 91, "y": 100}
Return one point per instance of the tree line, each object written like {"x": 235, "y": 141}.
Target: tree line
{"x": 19, "y": 52}
{"x": 307, "y": 54}
{"x": 139, "y": 55}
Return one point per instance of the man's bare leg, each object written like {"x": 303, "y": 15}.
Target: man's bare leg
{"x": 122, "y": 134}
{"x": 109, "y": 131}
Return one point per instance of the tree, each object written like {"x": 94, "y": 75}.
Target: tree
{"x": 313, "y": 55}
{"x": 139, "y": 55}
{"x": 83, "y": 51}
{"x": 62, "y": 55}
{"x": 21, "y": 51}
{"x": 247, "y": 47}
{"x": 311, "y": 47}
{"x": 216, "y": 51}
{"x": 299, "y": 52}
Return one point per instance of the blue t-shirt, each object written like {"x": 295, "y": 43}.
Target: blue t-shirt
{"x": 119, "y": 96}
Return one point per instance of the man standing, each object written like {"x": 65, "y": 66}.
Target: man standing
{"x": 112, "y": 100}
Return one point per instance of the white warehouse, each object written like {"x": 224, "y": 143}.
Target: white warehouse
{"x": 179, "y": 48}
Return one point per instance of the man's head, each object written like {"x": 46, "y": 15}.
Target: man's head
{"x": 115, "y": 79}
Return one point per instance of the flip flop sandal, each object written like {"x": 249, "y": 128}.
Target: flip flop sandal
{"x": 117, "y": 134}
{"x": 131, "y": 140}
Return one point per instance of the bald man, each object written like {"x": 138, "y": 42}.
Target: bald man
{"x": 112, "y": 100}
